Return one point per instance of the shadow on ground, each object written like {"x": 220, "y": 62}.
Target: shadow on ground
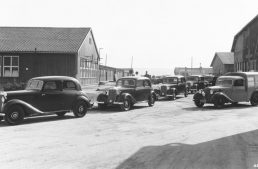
{"x": 40, "y": 119}
{"x": 211, "y": 107}
{"x": 114, "y": 109}
{"x": 238, "y": 151}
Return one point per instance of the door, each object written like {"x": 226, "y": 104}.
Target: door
{"x": 181, "y": 85}
{"x": 50, "y": 98}
{"x": 239, "y": 92}
{"x": 69, "y": 95}
{"x": 139, "y": 90}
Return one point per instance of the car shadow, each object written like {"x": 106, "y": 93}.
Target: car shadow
{"x": 234, "y": 151}
{"x": 166, "y": 99}
{"x": 114, "y": 109}
{"x": 39, "y": 119}
{"x": 211, "y": 107}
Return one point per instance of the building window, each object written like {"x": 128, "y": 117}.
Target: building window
{"x": 11, "y": 66}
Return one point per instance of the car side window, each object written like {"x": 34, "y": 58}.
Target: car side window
{"x": 146, "y": 83}
{"x": 239, "y": 82}
{"x": 69, "y": 85}
{"x": 139, "y": 83}
{"x": 51, "y": 85}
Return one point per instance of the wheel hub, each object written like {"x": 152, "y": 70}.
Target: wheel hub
{"x": 81, "y": 109}
{"x": 14, "y": 115}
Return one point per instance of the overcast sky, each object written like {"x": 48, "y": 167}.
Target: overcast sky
{"x": 157, "y": 33}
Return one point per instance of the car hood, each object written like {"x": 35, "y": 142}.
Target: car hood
{"x": 191, "y": 82}
{"x": 169, "y": 85}
{"x": 218, "y": 87}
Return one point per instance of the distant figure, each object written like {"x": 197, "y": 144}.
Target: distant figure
{"x": 136, "y": 73}
{"x": 147, "y": 75}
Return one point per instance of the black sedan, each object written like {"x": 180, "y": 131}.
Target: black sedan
{"x": 44, "y": 96}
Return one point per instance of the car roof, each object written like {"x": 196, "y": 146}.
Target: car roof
{"x": 135, "y": 77}
{"x": 55, "y": 78}
{"x": 178, "y": 76}
{"x": 230, "y": 77}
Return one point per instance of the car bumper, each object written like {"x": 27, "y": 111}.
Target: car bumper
{"x": 2, "y": 114}
{"x": 119, "y": 103}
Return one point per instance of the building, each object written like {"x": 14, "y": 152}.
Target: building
{"x": 185, "y": 71}
{"x": 245, "y": 47}
{"x": 222, "y": 63}
{"x": 108, "y": 73}
{"x": 27, "y": 52}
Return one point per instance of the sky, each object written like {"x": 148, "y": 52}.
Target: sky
{"x": 152, "y": 35}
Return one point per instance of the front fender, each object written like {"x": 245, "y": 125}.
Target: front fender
{"x": 197, "y": 96}
{"x": 28, "y": 108}
{"x": 213, "y": 97}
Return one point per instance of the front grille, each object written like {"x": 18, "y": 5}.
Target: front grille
{"x": 112, "y": 95}
{"x": 163, "y": 90}
{"x": 207, "y": 94}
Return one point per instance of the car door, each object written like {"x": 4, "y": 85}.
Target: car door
{"x": 181, "y": 85}
{"x": 147, "y": 89}
{"x": 239, "y": 92}
{"x": 139, "y": 90}
{"x": 70, "y": 93}
{"x": 50, "y": 98}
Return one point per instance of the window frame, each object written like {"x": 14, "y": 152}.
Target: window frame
{"x": 10, "y": 66}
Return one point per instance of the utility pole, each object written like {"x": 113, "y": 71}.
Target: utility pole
{"x": 191, "y": 65}
{"x": 132, "y": 62}
{"x": 106, "y": 60}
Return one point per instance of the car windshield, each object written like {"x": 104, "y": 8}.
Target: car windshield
{"x": 192, "y": 78}
{"x": 34, "y": 85}
{"x": 126, "y": 82}
{"x": 170, "y": 80}
{"x": 224, "y": 82}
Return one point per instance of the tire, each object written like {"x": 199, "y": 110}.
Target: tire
{"x": 102, "y": 106}
{"x": 198, "y": 102}
{"x": 254, "y": 99}
{"x": 126, "y": 104}
{"x": 151, "y": 100}
{"x": 219, "y": 102}
{"x": 14, "y": 115}
{"x": 80, "y": 109}
{"x": 60, "y": 114}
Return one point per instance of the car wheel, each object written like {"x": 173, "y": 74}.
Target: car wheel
{"x": 254, "y": 99}
{"x": 219, "y": 102}
{"x": 198, "y": 102}
{"x": 14, "y": 115}
{"x": 126, "y": 104}
{"x": 60, "y": 114}
{"x": 80, "y": 109}
{"x": 151, "y": 100}
{"x": 102, "y": 106}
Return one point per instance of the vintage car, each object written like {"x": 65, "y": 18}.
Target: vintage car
{"x": 44, "y": 96}
{"x": 156, "y": 83}
{"x": 195, "y": 83}
{"x": 128, "y": 91}
{"x": 232, "y": 88}
{"x": 173, "y": 86}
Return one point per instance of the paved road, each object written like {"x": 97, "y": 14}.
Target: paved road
{"x": 172, "y": 134}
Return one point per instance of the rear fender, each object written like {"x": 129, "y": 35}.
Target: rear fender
{"x": 127, "y": 95}
{"x": 83, "y": 98}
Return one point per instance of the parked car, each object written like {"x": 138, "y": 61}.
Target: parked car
{"x": 173, "y": 86}
{"x": 195, "y": 83}
{"x": 127, "y": 92}
{"x": 156, "y": 83}
{"x": 230, "y": 88}
{"x": 44, "y": 96}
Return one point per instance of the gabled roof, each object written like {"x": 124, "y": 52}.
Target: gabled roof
{"x": 227, "y": 58}
{"x": 42, "y": 39}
